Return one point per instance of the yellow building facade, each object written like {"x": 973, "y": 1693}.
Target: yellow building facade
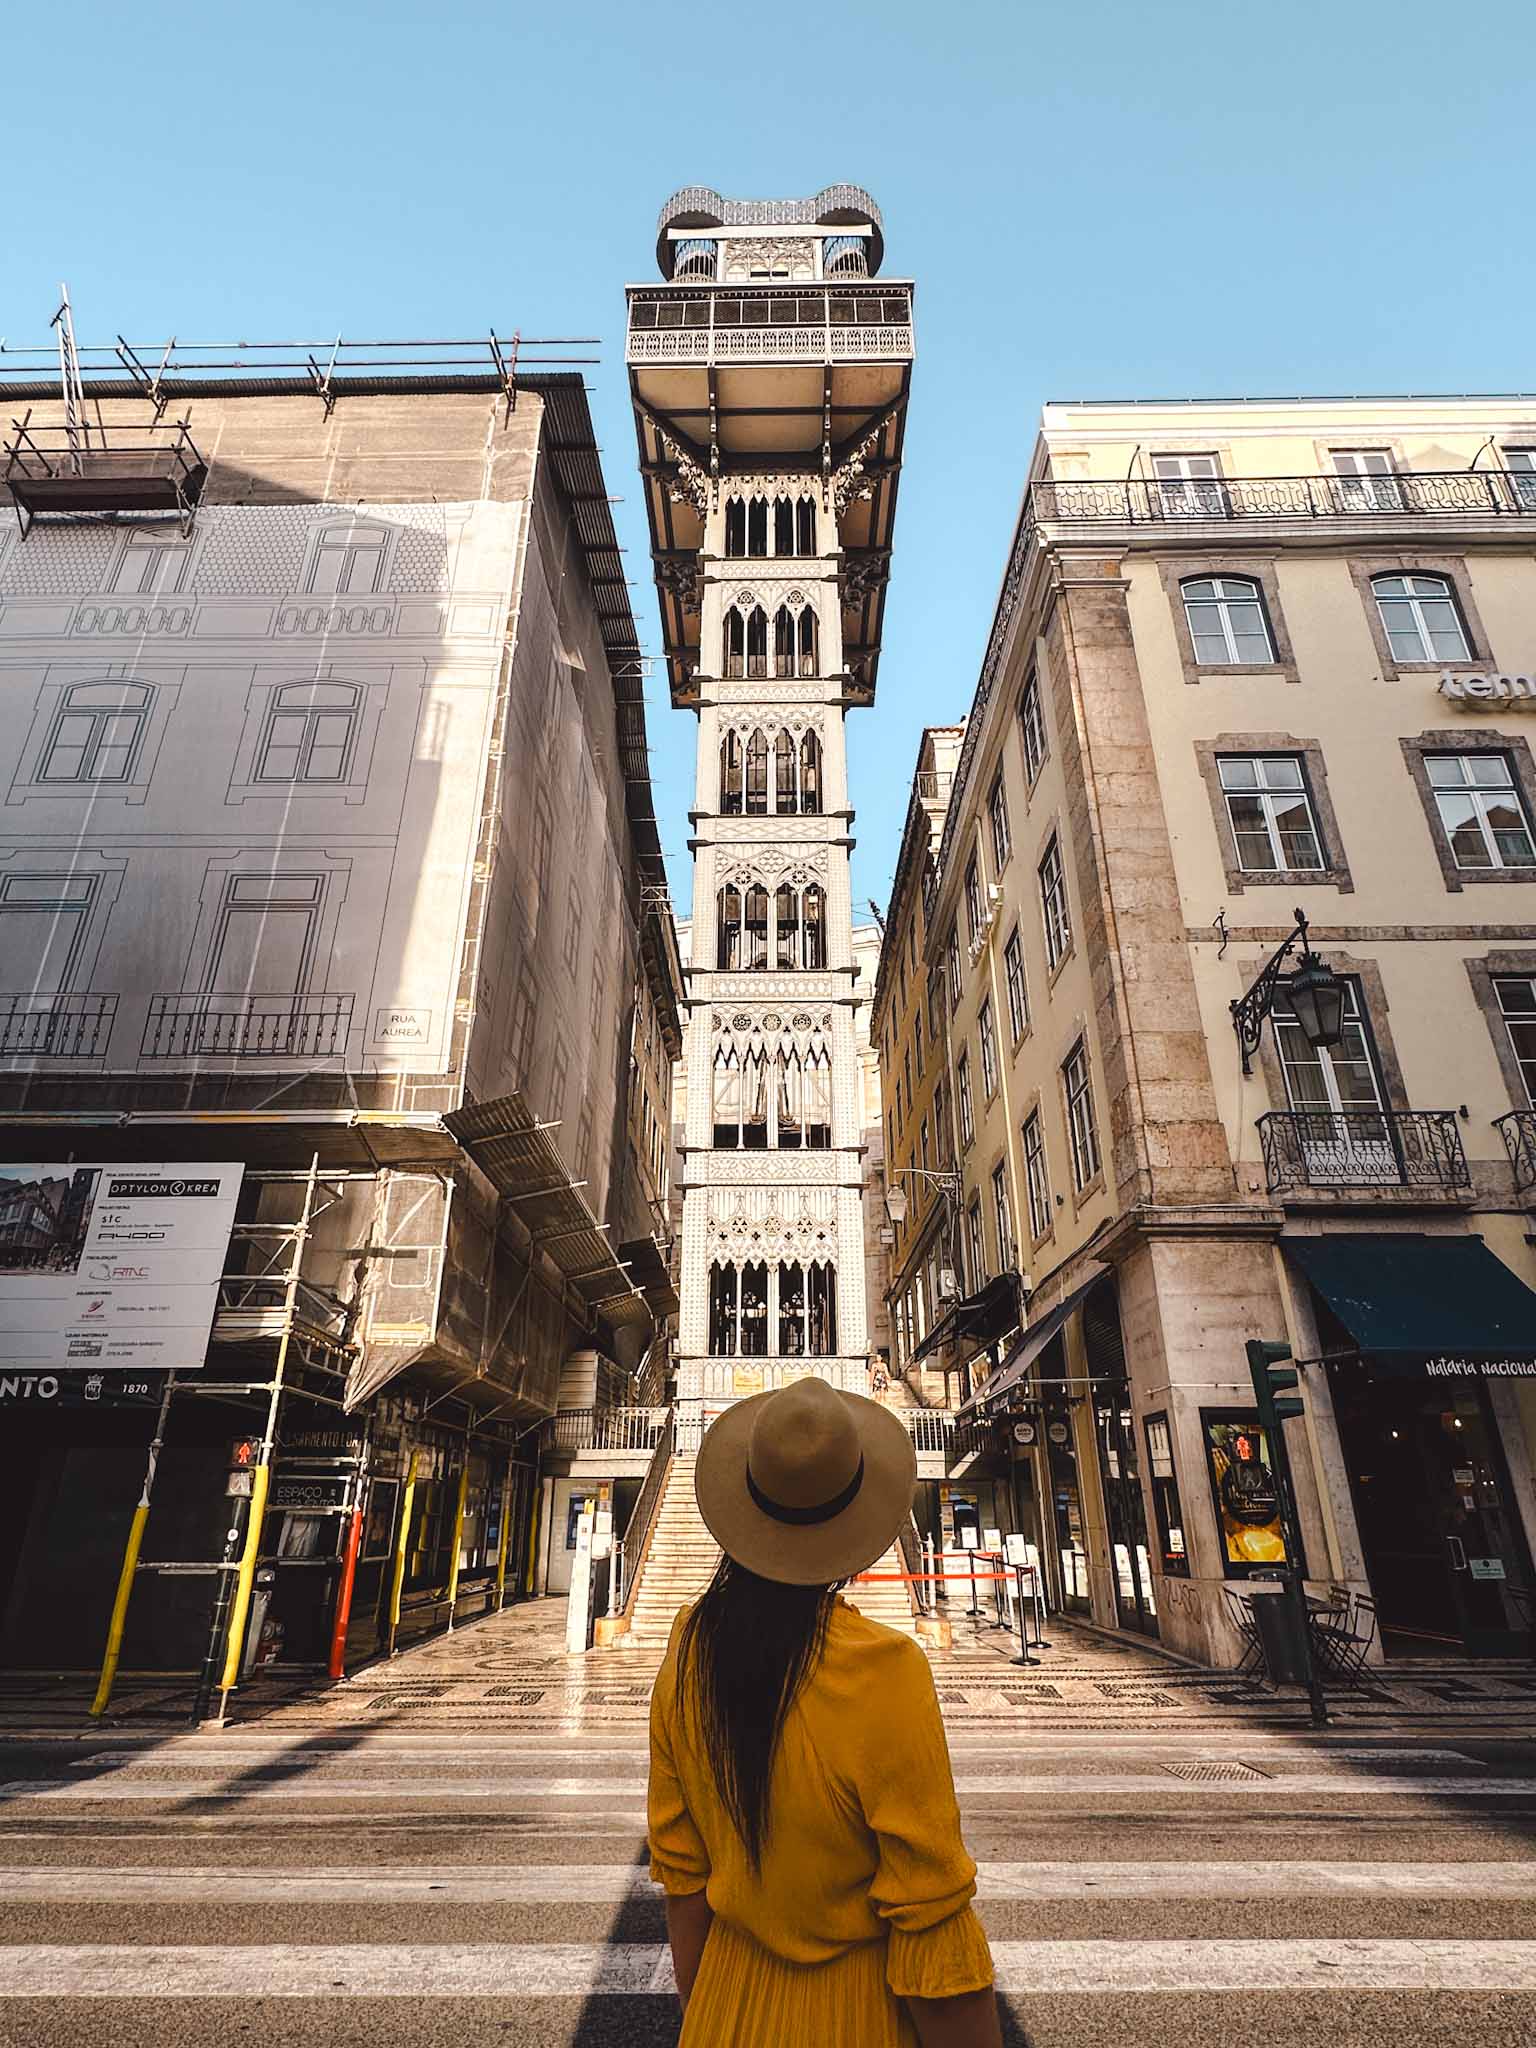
{"x": 1252, "y": 662}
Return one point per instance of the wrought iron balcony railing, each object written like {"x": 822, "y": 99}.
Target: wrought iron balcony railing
{"x": 1376, "y": 1148}
{"x": 798, "y": 323}
{"x": 607, "y": 1429}
{"x": 929, "y": 1428}
{"x": 1176, "y": 501}
{"x": 1518, "y": 1130}
{"x": 215, "y": 1026}
{"x": 55, "y": 1027}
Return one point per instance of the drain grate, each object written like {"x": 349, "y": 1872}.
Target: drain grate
{"x": 1202, "y": 1774}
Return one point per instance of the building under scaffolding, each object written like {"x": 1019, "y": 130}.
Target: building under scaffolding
{"x": 331, "y": 794}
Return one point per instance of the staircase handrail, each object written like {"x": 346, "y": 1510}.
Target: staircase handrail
{"x": 912, "y": 1561}
{"x": 642, "y": 1523}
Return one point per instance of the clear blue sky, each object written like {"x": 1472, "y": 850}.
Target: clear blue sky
{"x": 1112, "y": 200}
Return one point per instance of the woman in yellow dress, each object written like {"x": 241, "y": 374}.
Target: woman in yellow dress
{"x": 802, "y": 1809}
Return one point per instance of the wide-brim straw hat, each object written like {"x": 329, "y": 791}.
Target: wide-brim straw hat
{"x": 805, "y": 1485}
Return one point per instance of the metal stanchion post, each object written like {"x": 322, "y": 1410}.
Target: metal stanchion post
{"x": 1021, "y": 1571}
{"x": 975, "y": 1610}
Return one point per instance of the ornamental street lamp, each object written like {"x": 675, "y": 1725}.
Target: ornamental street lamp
{"x": 1316, "y": 996}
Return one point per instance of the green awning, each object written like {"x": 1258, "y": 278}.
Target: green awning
{"x": 1419, "y": 1305}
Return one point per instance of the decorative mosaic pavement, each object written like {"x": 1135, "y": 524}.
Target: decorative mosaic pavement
{"x": 512, "y": 1670}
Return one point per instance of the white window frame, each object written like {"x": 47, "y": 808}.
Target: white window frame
{"x": 1525, "y": 1062}
{"x": 1186, "y": 490}
{"x": 1443, "y": 592}
{"x": 1077, "y": 1081}
{"x": 986, "y": 1033}
{"x": 1225, "y": 593}
{"x": 1268, "y": 799}
{"x": 1055, "y": 910}
{"x": 1037, "y": 1175}
{"x": 1002, "y": 1217}
{"x": 963, "y": 1099}
{"x": 1016, "y": 984}
{"x": 1369, "y": 479}
{"x": 976, "y": 1242}
{"x": 1032, "y": 728}
{"x": 1480, "y": 793}
{"x": 357, "y": 553}
{"x": 997, "y": 818}
{"x": 1520, "y": 463}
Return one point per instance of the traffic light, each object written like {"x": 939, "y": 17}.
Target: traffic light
{"x": 1271, "y": 1376}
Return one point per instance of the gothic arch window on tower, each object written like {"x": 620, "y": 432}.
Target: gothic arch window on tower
{"x": 754, "y": 930}
{"x": 746, "y": 786}
{"x": 794, "y": 642}
{"x": 772, "y": 1091}
{"x": 794, "y": 1299}
{"x": 760, "y": 524}
{"x": 746, "y": 639}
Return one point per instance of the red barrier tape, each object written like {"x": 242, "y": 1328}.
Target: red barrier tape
{"x": 962, "y": 1578}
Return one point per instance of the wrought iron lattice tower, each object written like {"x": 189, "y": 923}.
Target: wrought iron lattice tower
{"x": 769, "y": 373}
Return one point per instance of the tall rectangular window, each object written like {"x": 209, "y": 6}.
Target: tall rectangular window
{"x": 265, "y": 934}
{"x": 1367, "y": 483}
{"x": 972, "y": 902}
{"x": 997, "y": 818}
{"x": 922, "y": 1148}
{"x": 1002, "y": 1218}
{"x": 1080, "y": 1119}
{"x": 1517, "y": 1006}
{"x": 977, "y": 1245}
{"x": 1271, "y": 813}
{"x": 1188, "y": 486}
{"x": 952, "y": 964}
{"x": 1032, "y": 727}
{"x": 963, "y": 1098}
{"x": 1018, "y": 999}
{"x": 1053, "y": 904}
{"x": 917, "y": 1036}
{"x": 1037, "y": 1179}
{"x": 987, "y": 1033}
{"x": 1481, "y": 810}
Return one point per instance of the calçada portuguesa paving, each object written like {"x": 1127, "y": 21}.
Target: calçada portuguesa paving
{"x": 449, "y": 1847}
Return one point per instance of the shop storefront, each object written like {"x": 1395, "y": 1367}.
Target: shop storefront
{"x": 1427, "y": 1343}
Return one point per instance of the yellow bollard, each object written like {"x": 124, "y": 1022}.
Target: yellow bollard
{"x": 506, "y": 1530}
{"x": 235, "y": 1640}
{"x": 458, "y": 1533}
{"x": 402, "y": 1544}
{"x": 115, "y": 1627}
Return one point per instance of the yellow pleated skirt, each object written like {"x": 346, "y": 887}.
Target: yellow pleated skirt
{"x": 747, "y": 1997}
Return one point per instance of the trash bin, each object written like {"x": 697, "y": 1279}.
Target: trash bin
{"x": 1282, "y": 1635}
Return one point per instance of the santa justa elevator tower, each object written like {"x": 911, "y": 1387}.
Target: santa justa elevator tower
{"x": 769, "y": 373}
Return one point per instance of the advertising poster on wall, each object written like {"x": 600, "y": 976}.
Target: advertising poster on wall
{"x": 1246, "y": 1496}
{"x": 112, "y": 1265}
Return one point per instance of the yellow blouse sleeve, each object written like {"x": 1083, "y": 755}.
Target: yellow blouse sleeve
{"x": 679, "y": 1859}
{"x": 925, "y": 1880}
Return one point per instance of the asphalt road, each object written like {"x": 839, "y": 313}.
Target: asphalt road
{"x": 416, "y": 1887}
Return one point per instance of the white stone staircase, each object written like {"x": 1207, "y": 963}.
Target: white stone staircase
{"x": 681, "y": 1561}
{"x": 678, "y": 1565}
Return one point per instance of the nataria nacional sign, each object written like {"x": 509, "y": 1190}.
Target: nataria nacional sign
{"x": 1511, "y": 693}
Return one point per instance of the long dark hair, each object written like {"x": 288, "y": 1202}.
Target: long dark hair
{"x": 749, "y": 1645}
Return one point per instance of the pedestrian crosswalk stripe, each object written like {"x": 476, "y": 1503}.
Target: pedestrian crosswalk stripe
{"x": 509, "y": 1785}
{"x": 582, "y": 1970}
{"x": 608, "y": 1883}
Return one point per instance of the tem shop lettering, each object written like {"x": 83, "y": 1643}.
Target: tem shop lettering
{"x": 1518, "y": 692}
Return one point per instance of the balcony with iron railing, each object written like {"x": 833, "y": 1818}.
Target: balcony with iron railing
{"x": 630, "y": 1430}
{"x": 1172, "y": 503}
{"x": 56, "y": 1027}
{"x": 240, "y": 1026}
{"x": 774, "y": 323}
{"x": 1385, "y": 1153}
{"x": 1518, "y": 1130}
